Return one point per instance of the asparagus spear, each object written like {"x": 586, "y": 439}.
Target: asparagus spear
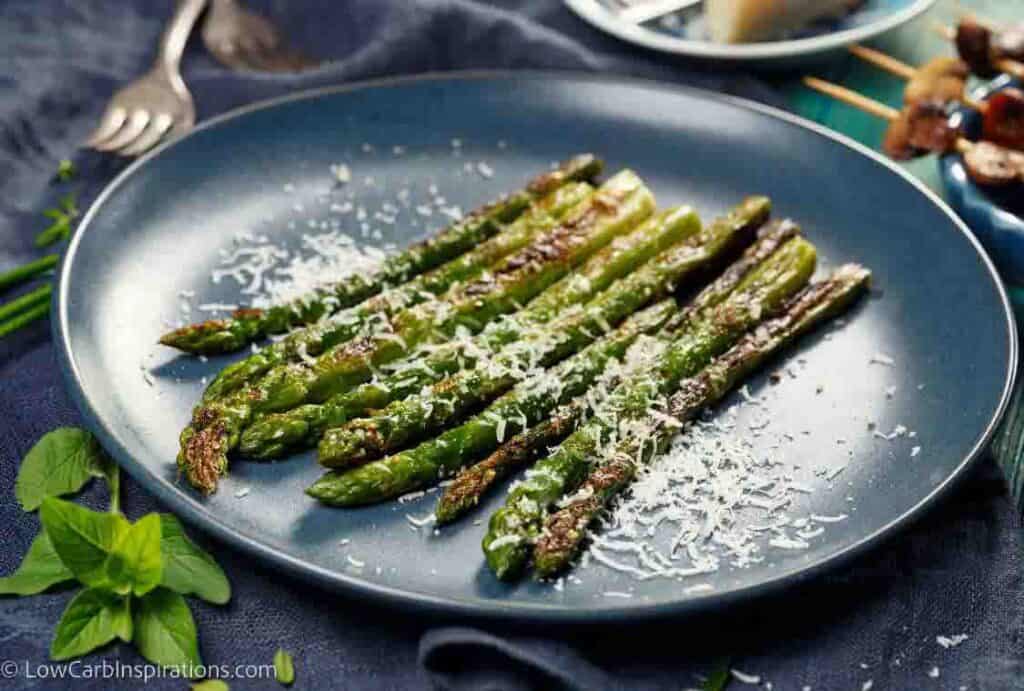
{"x": 467, "y": 489}
{"x": 275, "y": 434}
{"x": 25, "y": 272}
{"x": 24, "y": 318}
{"x": 527, "y": 404}
{"x": 512, "y": 528}
{"x": 31, "y": 299}
{"x": 473, "y": 482}
{"x": 620, "y": 203}
{"x": 564, "y": 530}
{"x": 405, "y": 421}
{"x": 313, "y": 340}
{"x": 247, "y": 325}
{"x": 438, "y": 457}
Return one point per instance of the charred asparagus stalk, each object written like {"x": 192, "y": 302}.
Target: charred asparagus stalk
{"x": 470, "y": 485}
{"x": 621, "y": 203}
{"x": 313, "y": 340}
{"x": 478, "y": 436}
{"x": 564, "y": 530}
{"x": 275, "y": 434}
{"x": 245, "y": 326}
{"x": 473, "y": 482}
{"x": 414, "y": 418}
{"x": 525, "y": 405}
{"x": 512, "y": 528}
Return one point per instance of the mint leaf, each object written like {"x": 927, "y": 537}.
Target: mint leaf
{"x": 188, "y": 569}
{"x": 82, "y": 538}
{"x": 719, "y": 677}
{"x": 135, "y": 565}
{"x": 39, "y": 569}
{"x": 60, "y": 463}
{"x": 92, "y": 619}
{"x": 65, "y": 170}
{"x": 284, "y": 667}
{"x": 211, "y": 685}
{"x": 165, "y": 632}
{"x": 62, "y": 216}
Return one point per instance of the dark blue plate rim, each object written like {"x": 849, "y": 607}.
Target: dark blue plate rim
{"x": 186, "y": 505}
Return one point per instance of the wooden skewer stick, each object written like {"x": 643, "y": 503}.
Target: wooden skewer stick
{"x": 868, "y": 105}
{"x": 1011, "y": 67}
{"x": 904, "y": 71}
{"x": 886, "y": 62}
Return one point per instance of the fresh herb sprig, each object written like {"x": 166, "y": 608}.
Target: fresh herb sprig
{"x": 719, "y": 676}
{"x": 134, "y": 575}
{"x": 62, "y": 215}
{"x": 34, "y": 305}
{"x": 66, "y": 170}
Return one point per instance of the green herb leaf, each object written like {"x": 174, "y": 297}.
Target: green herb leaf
{"x": 40, "y": 569}
{"x": 65, "y": 170}
{"x": 284, "y": 667}
{"x": 60, "y": 463}
{"x": 719, "y": 677}
{"x": 69, "y": 204}
{"x": 211, "y": 685}
{"x": 165, "y": 632}
{"x": 188, "y": 569}
{"x": 135, "y": 565}
{"x": 82, "y": 538}
{"x": 62, "y": 216}
{"x": 92, "y": 619}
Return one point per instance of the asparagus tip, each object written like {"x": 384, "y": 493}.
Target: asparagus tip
{"x": 203, "y": 457}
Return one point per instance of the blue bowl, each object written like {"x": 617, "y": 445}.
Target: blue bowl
{"x": 996, "y": 217}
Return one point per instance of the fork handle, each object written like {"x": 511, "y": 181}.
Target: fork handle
{"x": 175, "y": 36}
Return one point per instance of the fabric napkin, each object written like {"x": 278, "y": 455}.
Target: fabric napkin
{"x": 957, "y": 571}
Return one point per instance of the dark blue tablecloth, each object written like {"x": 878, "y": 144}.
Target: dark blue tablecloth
{"x": 958, "y": 571}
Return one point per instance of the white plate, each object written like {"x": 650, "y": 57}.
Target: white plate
{"x": 687, "y": 35}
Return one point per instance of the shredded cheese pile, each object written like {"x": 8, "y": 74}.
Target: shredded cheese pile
{"x": 709, "y": 501}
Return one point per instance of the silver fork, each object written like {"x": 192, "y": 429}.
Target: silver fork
{"x": 243, "y": 40}
{"x": 158, "y": 103}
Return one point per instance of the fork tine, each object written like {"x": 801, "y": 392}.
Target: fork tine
{"x": 111, "y": 121}
{"x": 132, "y": 129}
{"x": 177, "y": 129}
{"x": 157, "y": 128}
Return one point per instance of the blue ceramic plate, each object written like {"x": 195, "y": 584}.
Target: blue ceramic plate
{"x": 995, "y": 216}
{"x": 684, "y": 33}
{"x": 159, "y": 230}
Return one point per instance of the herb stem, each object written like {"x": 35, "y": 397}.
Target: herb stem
{"x": 24, "y": 302}
{"x": 114, "y": 484}
{"x": 25, "y": 318}
{"x": 27, "y": 271}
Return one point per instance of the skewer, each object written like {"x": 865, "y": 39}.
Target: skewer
{"x": 987, "y": 163}
{"x": 886, "y": 62}
{"x": 945, "y": 79}
{"x": 908, "y": 72}
{"x": 851, "y": 97}
{"x": 1012, "y": 67}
